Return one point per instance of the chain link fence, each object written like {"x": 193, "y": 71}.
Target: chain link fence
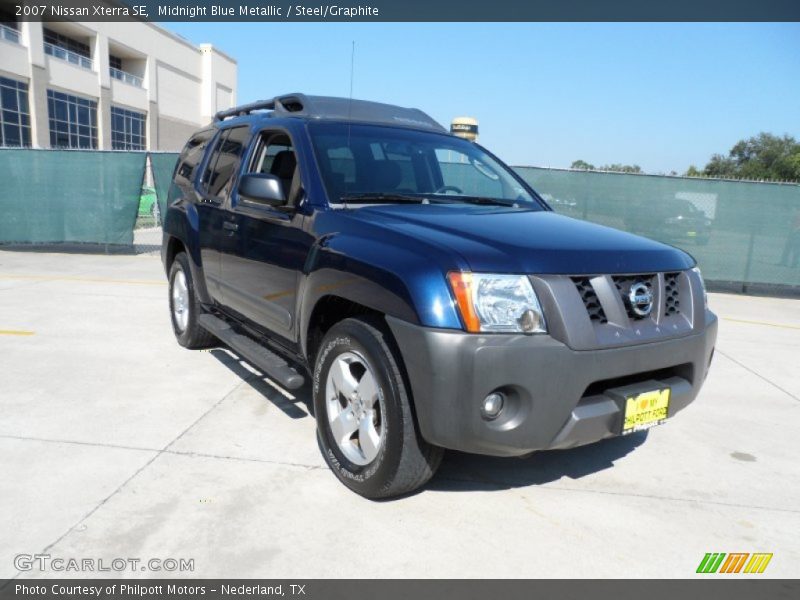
{"x": 147, "y": 232}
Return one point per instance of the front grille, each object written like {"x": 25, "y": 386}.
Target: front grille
{"x": 624, "y": 283}
{"x": 671, "y": 294}
{"x": 590, "y": 299}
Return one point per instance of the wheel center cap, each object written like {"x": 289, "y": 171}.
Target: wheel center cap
{"x": 357, "y": 404}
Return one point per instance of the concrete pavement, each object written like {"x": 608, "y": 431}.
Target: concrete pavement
{"x": 117, "y": 443}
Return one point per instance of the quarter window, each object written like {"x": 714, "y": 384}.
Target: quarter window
{"x": 73, "y": 121}
{"x": 15, "y": 119}
{"x": 224, "y": 163}
{"x": 191, "y": 155}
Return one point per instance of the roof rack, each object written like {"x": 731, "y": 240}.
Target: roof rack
{"x": 245, "y": 109}
{"x": 327, "y": 107}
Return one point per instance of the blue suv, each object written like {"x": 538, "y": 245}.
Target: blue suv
{"x": 424, "y": 292}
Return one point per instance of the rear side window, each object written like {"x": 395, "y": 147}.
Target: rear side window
{"x": 191, "y": 156}
{"x": 224, "y": 163}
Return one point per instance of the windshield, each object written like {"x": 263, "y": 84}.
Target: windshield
{"x": 369, "y": 163}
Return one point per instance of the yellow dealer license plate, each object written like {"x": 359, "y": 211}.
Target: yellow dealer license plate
{"x": 643, "y": 411}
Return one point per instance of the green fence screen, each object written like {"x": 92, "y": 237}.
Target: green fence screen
{"x": 69, "y": 196}
{"x": 163, "y": 164}
{"x": 743, "y": 233}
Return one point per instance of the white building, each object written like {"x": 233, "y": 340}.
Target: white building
{"x": 110, "y": 86}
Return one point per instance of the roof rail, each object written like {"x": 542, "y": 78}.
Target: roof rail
{"x": 346, "y": 109}
{"x": 245, "y": 109}
{"x": 288, "y": 103}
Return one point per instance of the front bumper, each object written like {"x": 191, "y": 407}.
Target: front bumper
{"x": 556, "y": 397}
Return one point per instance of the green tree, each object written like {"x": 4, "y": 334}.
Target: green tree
{"x": 693, "y": 171}
{"x": 622, "y": 168}
{"x": 582, "y": 165}
{"x": 764, "y": 156}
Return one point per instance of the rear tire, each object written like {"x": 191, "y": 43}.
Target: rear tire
{"x": 184, "y": 308}
{"x": 365, "y": 426}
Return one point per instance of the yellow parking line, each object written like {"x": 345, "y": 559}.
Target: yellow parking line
{"x": 84, "y": 279}
{"x": 766, "y": 323}
{"x": 15, "y": 332}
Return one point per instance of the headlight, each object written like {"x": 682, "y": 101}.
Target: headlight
{"x": 702, "y": 286}
{"x": 497, "y": 303}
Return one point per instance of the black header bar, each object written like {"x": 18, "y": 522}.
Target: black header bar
{"x": 710, "y": 588}
{"x": 404, "y": 10}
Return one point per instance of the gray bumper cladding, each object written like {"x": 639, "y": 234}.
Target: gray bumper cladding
{"x": 556, "y": 397}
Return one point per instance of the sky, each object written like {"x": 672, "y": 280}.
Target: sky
{"x": 663, "y": 96}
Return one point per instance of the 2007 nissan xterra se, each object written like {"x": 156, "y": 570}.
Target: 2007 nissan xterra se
{"x": 431, "y": 296}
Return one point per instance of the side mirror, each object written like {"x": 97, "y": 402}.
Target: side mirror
{"x": 262, "y": 188}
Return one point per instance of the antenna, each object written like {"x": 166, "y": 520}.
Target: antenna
{"x": 350, "y": 109}
{"x": 352, "y": 65}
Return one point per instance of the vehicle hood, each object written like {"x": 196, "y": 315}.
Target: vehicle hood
{"x": 514, "y": 240}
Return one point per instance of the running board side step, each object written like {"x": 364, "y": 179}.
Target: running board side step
{"x": 267, "y": 361}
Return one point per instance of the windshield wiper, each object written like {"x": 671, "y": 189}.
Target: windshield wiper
{"x": 382, "y": 197}
{"x": 481, "y": 200}
{"x": 368, "y": 197}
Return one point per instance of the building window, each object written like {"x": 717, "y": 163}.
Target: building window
{"x": 65, "y": 48}
{"x": 15, "y": 118}
{"x": 10, "y": 34}
{"x": 127, "y": 129}
{"x": 67, "y": 43}
{"x": 9, "y": 27}
{"x": 115, "y": 62}
{"x": 73, "y": 121}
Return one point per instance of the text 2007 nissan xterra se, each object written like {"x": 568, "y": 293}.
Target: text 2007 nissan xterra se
{"x": 430, "y": 296}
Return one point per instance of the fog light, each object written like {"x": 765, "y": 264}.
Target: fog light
{"x": 492, "y": 406}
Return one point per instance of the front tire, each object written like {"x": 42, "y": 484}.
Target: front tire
{"x": 365, "y": 425}
{"x": 184, "y": 307}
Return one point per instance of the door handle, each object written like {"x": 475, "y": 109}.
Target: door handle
{"x": 230, "y": 226}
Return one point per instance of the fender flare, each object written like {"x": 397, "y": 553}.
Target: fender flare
{"x": 394, "y": 281}
{"x": 182, "y": 223}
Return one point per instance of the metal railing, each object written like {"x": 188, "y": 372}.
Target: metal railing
{"x": 68, "y": 55}
{"x": 9, "y": 34}
{"x": 125, "y": 77}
